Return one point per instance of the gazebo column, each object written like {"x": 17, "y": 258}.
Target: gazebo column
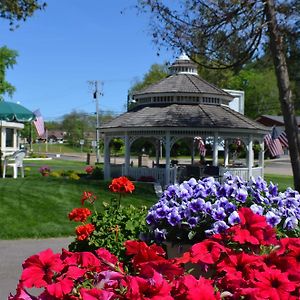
{"x": 215, "y": 150}
{"x": 168, "y": 151}
{"x": 250, "y": 156}
{"x": 157, "y": 151}
{"x": 261, "y": 157}
{"x": 226, "y": 153}
{"x": 127, "y": 154}
{"x": 193, "y": 152}
{"x": 106, "y": 158}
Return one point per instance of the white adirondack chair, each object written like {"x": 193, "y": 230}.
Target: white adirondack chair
{"x": 16, "y": 162}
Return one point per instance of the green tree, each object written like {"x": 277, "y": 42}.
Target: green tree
{"x": 155, "y": 74}
{"x": 19, "y": 10}
{"x": 7, "y": 60}
{"x": 227, "y": 33}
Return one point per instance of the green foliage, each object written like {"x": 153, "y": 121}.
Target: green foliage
{"x": 155, "y": 74}
{"x": 7, "y": 60}
{"x": 16, "y": 10}
{"x": 97, "y": 173}
{"x": 113, "y": 226}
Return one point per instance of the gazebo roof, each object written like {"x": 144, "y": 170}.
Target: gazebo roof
{"x": 183, "y": 83}
{"x": 198, "y": 116}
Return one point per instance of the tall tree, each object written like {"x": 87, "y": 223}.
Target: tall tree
{"x": 7, "y": 60}
{"x": 19, "y": 10}
{"x": 227, "y": 33}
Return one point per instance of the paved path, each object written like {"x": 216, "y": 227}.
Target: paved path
{"x": 14, "y": 252}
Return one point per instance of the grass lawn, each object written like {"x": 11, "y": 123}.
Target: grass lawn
{"x": 283, "y": 181}
{"x": 36, "y": 207}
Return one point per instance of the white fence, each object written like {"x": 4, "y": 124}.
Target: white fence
{"x": 242, "y": 172}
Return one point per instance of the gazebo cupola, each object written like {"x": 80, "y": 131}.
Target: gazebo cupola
{"x": 182, "y": 86}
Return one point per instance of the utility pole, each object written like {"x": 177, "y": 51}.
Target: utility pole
{"x": 96, "y": 93}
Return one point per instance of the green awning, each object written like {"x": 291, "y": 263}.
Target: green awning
{"x": 10, "y": 111}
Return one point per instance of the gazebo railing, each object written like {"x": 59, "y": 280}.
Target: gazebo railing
{"x": 242, "y": 172}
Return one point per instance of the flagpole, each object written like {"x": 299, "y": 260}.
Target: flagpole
{"x": 30, "y": 136}
{"x": 46, "y": 140}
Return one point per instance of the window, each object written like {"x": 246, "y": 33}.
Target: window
{"x": 9, "y": 137}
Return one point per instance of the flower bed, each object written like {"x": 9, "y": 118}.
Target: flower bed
{"x": 255, "y": 256}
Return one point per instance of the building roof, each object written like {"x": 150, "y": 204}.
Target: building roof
{"x": 198, "y": 116}
{"x": 270, "y": 120}
{"x": 182, "y": 83}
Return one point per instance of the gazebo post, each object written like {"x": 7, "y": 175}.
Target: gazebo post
{"x": 215, "y": 150}
{"x": 106, "y": 158}
{"x": 127, "y": 154}
{"x": 250, "y": 156}
{"x": 193, "y": 152}
{"x": 157, "y": 151}
{"x": 261, "y": 156}
{"x": 226, "y": 152}
{"x": 168, "y": 151}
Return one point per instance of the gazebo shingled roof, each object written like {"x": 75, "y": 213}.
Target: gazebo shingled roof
{"x": 188, "y": 116}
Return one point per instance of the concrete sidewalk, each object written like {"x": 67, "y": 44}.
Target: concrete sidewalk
{"x": 14, "y": 252}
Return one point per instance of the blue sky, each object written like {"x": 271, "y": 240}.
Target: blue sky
{"x": 74, "y": 41}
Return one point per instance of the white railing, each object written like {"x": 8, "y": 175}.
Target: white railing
{"x": 136, "y": 172}
{"x": 242, "y": 172}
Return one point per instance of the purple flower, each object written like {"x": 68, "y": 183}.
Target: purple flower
{"x": 257, "y": 209}
{"x": 241, "y": 195}
{"x": 230, "y": 207}
{"x": 218, "y": 213}
{"x": 290, "y": 223}
{"x": 197, "y": 205}
{"x": 192, "y": 221}
{"x": 234, "y": 218}
{"x": 162, "y": 211}
{"x": 192, "y": 182}
{"x": 160, "y": 235}
{"x": 150, "y": 219}
{"x": 273, "y": 189}
{"x": 174, "y": 218}
{"x": 220, "y": 226}
{"x": 272, "y": 219}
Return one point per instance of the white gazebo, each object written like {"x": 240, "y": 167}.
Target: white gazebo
{"x": 183, "y": 106}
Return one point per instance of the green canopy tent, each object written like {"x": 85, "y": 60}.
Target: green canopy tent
{"x": 10, "y": 111}
{"x": 13, "y": 112}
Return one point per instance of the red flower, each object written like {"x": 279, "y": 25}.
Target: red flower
{"x": 84, "y": 231}
{"x": 144, "y": 253}
{"x": 154, "y": 288}
{"x": 40, "y": 268}
{"x": 89, "y": 197}
{"x": 253, "y": 229}
{"x": 121, "y": 185}
{"x": 61, "y": 288}
{"x": 79, "y": 214}
{"x": 273, "y": 284}
{"x": 188, "y": 287}
{"x": 96, "y": 294}
{"x": 89, "y": 169}
{"x": 207, "y": 252}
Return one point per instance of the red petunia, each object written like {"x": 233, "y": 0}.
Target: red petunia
{"x": 144, "y": 253}
{"x": 79, "y": 214}
{"x": 252, "y": 229}
{"x": 272, "y": 284}
{"x": 96, "y": 294}
{"x": 121, "y": 185}
{"x": 88, "y": 196}
{"x": 40, "y": 268}
{"x": 188, "y": 287}
{"x": 207, "y": 252}
{"x": 61, "y": 288}
{"x": 84, "y": 231}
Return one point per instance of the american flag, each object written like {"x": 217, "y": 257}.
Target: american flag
{"x": 283, "y": 139}
{"x": 274, "y": 146}
{"x": 201, "y": 146}
{"x": 39, "y": 123}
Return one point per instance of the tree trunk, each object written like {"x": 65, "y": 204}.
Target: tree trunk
{"x": 285, "y": 93}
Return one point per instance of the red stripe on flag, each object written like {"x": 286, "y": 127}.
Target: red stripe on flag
{"x": 283, "y": 139}
{"x": 274, "y": 146}
{"x": 39, "y": 123}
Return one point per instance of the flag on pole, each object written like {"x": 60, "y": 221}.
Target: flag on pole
{"x": 39, "y": 123}
{"x": 283, "y": 139}
{"x": 273, "y": 144}
{"x": 201, "y": 146}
